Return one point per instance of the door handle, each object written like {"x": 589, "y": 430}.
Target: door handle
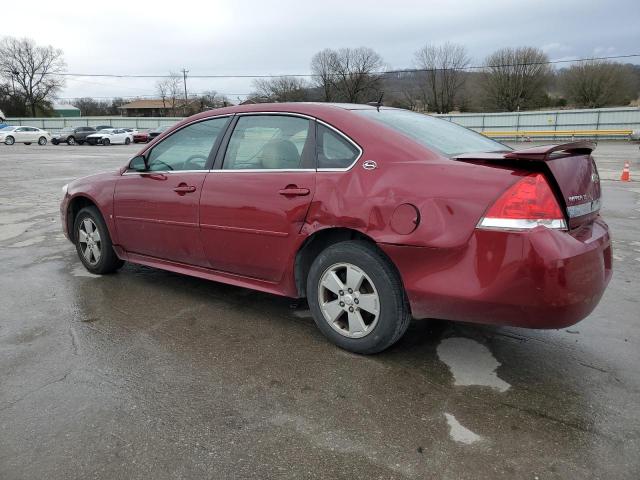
{"x": 294, "y": 191}
{"x": 182, "y": 189}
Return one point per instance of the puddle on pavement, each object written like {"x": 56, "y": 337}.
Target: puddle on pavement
{"x": 461, "y": 434}
{"x": 29, "y": 242}
{"x": 80, "y": 271}
{"x": 302, "y": 313}
{"x": 471, "y": 363}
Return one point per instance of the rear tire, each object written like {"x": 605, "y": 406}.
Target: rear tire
{"x": 71, "y": 141}
{"x": 357, "y": 298}
{"x": 94, "y": 249}
{"x": 55, "y": 142}
{"x": 127, "y": 141}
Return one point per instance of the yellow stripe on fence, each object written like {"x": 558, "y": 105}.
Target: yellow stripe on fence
{"x": 557, "y": 133}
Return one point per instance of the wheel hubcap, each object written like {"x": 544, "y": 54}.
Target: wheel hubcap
{"x": 348, "y": 300}
{"x": 90, "y": 242}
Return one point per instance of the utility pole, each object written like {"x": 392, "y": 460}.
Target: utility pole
{"x": 184, "y": 77}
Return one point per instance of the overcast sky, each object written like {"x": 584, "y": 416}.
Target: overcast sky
{"x": 279, "y": 37}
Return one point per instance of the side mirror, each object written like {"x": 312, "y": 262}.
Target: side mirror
{"x": 139, "y": 164}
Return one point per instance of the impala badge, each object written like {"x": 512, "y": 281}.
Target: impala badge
{"x": 369, "y": 165}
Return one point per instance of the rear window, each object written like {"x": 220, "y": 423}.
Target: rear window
{"x": 446, "y": 137}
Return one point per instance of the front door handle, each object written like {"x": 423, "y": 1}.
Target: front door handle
{"x": 294, "y": 191}
{"x": 184, "y": 188}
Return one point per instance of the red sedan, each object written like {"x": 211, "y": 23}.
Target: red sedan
{"x": 374, "y": 215}
{"x": 141, "y": 136}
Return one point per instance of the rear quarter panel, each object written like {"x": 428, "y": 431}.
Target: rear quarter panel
{"x": 450, "y": 196}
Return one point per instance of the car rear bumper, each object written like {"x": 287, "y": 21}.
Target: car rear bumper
{"x": 538, "y": 279}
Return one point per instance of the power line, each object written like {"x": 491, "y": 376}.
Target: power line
{"x": 109, "y": 97}
{"x": 405, "y": 70}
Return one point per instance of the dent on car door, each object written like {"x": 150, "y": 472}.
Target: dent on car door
{"x": 156, "y": 211}
{"x": 254, "y": 204}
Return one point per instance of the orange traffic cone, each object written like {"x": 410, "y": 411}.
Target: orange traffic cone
{"x": 626, "y": 175}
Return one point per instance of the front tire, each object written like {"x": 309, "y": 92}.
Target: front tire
{"x": 106, "y": 142}
{"x": 71, "y": 141}
{"x": 55, "y": 142}
{"x": 42, "y": 141}
{"x": 93, "y": 242}
{"x": 357, "y": 298}
{"x": 9, "y": 140}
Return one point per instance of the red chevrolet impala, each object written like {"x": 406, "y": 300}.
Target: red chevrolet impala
{"x": 375, "y": 215}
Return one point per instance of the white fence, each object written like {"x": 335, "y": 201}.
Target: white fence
{"x": 58, "y": 123}
{"x": 553, "y": 121}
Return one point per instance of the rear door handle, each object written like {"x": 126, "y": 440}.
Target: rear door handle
{"x": 182, "y": 189}
{"x": 300, "y": 192}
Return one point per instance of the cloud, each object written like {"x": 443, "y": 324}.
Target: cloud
{"x": 256, "y": 36}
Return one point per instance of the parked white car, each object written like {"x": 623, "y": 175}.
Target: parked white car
{"x": 110, "y": 136}
{"x": 24, "y": 134}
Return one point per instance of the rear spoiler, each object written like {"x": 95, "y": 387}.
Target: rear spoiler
{"x": 539, "y": 153}
{"x": 543, "y": 152}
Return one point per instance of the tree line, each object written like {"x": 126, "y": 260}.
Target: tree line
{"x": 441, "y": 79}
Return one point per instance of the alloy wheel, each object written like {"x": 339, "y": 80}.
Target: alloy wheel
{"x": 90, "y": 242}
{"x": 348, "y": 300}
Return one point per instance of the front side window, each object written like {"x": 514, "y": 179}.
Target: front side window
{"x": 269, "y": 142}
{"x": 188, "y": 148}
{"x": 334, "y": 151}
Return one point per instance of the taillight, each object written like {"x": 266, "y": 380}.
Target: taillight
{"x": 527, "y": 204}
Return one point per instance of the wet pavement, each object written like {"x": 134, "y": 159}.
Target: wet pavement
{"x": 149, "y": 374}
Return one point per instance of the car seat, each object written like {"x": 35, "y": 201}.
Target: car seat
{"x": 281, "y": 154}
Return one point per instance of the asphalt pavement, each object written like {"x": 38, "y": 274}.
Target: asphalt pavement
{"x": 149, "y": 374}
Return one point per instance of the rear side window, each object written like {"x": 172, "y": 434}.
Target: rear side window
{"x": 188, "y": 148}
{"x": 445, "y": 137}
{"x": 269, "y": 142}
{"x": 333, "y": 150}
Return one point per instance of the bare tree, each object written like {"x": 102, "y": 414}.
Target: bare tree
{"x": 31, "y": 70}
{"x": 596, "y": 84}
{"x": 282, "y": 89}
{"x": 441, "y": 82}
{"x": 322, "y": 68}
{"x": 212, "y": 99}
{"x": 515, "y": 79}
{"x": 170, "y": 91}
{"x": 355, "y": 74}
{"x": 91, "y": 107}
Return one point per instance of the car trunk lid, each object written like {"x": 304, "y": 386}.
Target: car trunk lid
{"x": 569, "y": 168}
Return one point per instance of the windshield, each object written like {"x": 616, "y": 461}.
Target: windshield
{"x": 446, "y": 137}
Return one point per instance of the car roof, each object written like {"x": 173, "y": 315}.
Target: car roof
{"x": 321, "y": 110}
